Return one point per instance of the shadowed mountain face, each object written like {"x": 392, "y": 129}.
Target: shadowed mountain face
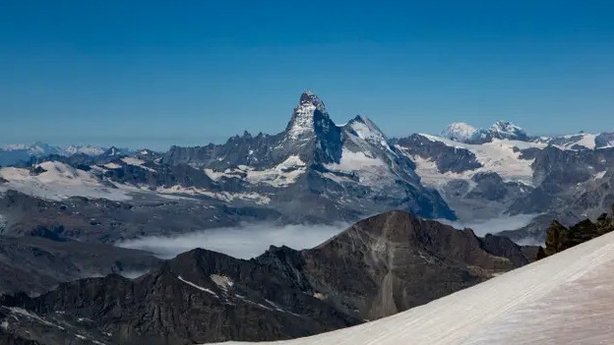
{"x": 37, "y": 264}
{"x": 380, "y": 266}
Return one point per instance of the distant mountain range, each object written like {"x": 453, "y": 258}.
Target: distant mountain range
{"x": 63, "y": 211}
{"x": 316, "y": 171}
{"x": 20, "y": 154}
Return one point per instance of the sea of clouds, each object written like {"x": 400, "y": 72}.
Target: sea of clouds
{"x": 243, "y": 242}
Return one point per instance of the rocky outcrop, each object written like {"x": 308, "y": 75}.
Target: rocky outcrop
{"x": 560, "y": 237}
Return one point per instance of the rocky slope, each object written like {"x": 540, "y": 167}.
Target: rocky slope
{"x": 378, "y": 267}
{"x": 36, "y": 264}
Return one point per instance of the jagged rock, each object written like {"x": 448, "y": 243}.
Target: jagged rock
{"x": 559, "y": 237}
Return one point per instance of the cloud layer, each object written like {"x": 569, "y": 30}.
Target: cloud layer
{"x": 494, "y": 225}
{"x": 241, "y": 242}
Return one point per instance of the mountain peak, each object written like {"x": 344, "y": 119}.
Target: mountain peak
{"x": 458, "y": 131}
{"x": 462, "y": 132}
{"x": 302, "y": 121}
{"x": 308, "y": 97}
{"x": 366, "y": 129}
{"x": 506, "y": 130}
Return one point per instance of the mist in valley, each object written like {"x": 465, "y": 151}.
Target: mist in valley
{"x": 242, "y": 242}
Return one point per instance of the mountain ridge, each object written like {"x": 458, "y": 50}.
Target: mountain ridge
{"x": 202, "y": 296}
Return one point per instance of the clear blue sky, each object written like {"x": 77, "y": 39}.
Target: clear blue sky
{"x": 159, "y": 72}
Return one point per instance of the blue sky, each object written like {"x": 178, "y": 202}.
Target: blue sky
{"x": 152, "y": 73}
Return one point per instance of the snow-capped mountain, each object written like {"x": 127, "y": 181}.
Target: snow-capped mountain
{"x": 349, "y": 170}
{"x": 318, "y": 171}
{"x": 22, "y": 153}
{"x": 459, "y": 131}
{"x": 464, "y": 133}
{"x": 507, "y": 130}
{"x": 85, "y": 149}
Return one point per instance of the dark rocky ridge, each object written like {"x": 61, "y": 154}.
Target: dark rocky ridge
{"x": 105, "y": 221}
{"x": 36, "y": 264}
{"x": 560, "y": 237}
{"x": 380, "y": 266}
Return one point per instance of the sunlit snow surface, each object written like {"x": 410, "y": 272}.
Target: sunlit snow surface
{"x": 564, "y": 299}
{"x": 58, "y": 182}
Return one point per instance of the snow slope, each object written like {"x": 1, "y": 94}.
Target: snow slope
{"x": 458, "y": 131}
{"x": 58, "y": 182}
{"x": 563, "y": 299}
{"x": 498, "y": 156}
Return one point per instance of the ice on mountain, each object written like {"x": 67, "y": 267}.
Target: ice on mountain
{"x": 59, "y": 181}
{"x": 464, "y": 133}
{"x": 499, "y": 156}
{"x": 209, "y": 291}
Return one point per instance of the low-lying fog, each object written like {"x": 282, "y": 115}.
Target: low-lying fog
{"x": 251, "y": 240}
{"x": 241, "y": 242}
{"x": 482, "y": 227}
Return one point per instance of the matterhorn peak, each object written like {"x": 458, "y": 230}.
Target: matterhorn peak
{"x": 302, "y": 121}
{"x": 308, "y": 97}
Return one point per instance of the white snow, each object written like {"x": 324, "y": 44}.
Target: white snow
{"x": 224, "y": 196}
{"x": 136, "y": 162}
{"x": 587, "y": 140}
{"x": 367, "y": 130}
{"x": 112, "y": 166}
{"x": 25, "y": 313}
{"x": 198, "y": 287}
{"x": 506, "y": 128}
{"x": 282, "y": 175}
{"x": 302, "y": 121}
{"x": 15, "y": 147}
{"x": 355, "y": 161}
{"x": 223, "y": 282}
{"x": 87, "y": 149}
{"x": 370, "y": 170}
{"x": 496, "y": 156}
{"x": 600, "y": 175}
{"x": 4, "y": 325}
{"x": 41, "y": 149}
{"x": 58, "y": 182}
{"x": 458, "y": 131}
{"x": 563, "y": 299}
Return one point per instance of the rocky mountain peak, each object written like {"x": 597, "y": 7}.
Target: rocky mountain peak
{"x": 366, "y": 129}
{"x": 308, "y": 97}
{"x": 303, "y": 121}
{"x": 464, "y": 133}
{"x": 506, "y": 130}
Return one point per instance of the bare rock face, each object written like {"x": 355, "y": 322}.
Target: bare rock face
{"x": 559, "y": 237}
{"x": 403, "y": 261}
